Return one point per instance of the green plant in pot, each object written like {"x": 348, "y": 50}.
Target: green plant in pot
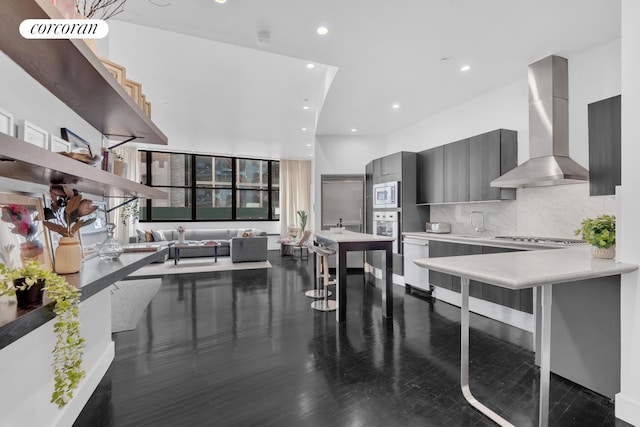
{"x": 69, "y": 346}
{"x": 303, "y": 219}
{"x": 600, "y": 233}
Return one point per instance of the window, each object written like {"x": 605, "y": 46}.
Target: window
{"x": 210, "y": 188}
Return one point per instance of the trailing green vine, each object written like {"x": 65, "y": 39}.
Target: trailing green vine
{"x": 69, "y": 347}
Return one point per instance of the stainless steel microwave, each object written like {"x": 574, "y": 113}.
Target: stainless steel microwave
{"x": 385, "y": 195}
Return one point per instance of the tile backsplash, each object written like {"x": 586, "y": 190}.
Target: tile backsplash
{"x": 539, "y": 211}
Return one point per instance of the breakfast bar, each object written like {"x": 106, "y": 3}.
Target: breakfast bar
{"x": 351, "y": 241}
{"x": 521, "y": 270}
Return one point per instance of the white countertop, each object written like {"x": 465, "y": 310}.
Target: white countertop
{"x": 351, "y": 236}
{"x": 520, "y": 270}
{"x": 483, "y": 240}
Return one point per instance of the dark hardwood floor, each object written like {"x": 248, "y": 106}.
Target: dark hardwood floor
{"x": 244, "y": 348}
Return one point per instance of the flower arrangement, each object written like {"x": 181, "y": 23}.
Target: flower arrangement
{"x": 599, "y": 232}
{"x": 180, "y": 229}
{"x": 64, "y": 216}
{"x": 21, "y": 218}
{"x": 69, "y": 346}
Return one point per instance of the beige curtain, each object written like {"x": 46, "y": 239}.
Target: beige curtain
{"x": 122, "y": 233}
{"x": 295, "y": 192}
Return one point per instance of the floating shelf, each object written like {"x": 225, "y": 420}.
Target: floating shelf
{"x": 26, "y": 162}
{"x": 74, "y": 74}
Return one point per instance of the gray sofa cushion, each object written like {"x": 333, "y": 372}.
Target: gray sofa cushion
{"x": 248, "y": 249}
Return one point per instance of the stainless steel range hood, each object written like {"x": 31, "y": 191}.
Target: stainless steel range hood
{"x": 549, "y": 162}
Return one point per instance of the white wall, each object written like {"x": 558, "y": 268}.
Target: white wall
{"x": 27, "y": 99}
{"x": 628, "y": 400}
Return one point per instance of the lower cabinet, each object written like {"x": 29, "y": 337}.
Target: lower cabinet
{"x": 521, "y": 300}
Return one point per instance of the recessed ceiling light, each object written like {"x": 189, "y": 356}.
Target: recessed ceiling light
{"x": 304, "y": 129}
{"x": 354, "y": 130}
{"x": 221, "y": 1}
{"x": 322, "y": 31}
{"x": 310, "y": 65}
{"x": 395, "y": 106}
{"x": 465, "y": 68}
{"x": 310, "y": 155}
{"x": 308, "y": 145}
{"x": 306, "y": 107}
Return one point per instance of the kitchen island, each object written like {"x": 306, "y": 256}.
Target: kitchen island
{"x": 27, "y": 339}
{"x": 352, "y": 241}
{"x": 522, "y": 270}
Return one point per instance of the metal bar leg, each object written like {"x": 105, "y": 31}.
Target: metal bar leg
{"x": 387, "y": 294}
{"x": 464, "y": 359}
{"x": 545, "y": 355}
{"x": 341, "y": 284}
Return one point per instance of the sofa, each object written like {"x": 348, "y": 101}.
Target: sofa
{"x": 251, "y": 248}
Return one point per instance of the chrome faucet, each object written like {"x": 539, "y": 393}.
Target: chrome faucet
{"x": 478, "y": 225}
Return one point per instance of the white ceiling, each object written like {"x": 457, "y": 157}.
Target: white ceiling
{"x": 385, "y": 52}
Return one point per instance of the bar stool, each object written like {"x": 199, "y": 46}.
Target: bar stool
{"x": 322, "y": 256}
{"x": 315, "y": 292}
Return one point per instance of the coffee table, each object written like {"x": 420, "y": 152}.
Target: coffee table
{"x": 202, "y": 244}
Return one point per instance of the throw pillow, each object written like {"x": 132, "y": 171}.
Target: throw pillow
{"x": 148, "y": 236}
{"x": 247, "y": 234}
{"x": 242, "y": 231}
{"x": 158, "y": 236}
{"x": 141, "y": 236}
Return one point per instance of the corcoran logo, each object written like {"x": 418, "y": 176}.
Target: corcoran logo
{"x": 64, "y": 28}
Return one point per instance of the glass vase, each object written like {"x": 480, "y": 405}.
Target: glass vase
{"x": 110, "y": 249}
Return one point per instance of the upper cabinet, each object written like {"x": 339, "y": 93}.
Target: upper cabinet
{"x": 490, "y": 155}
{"x": 431, "y": 176}
{"x": 462, "y": 171}
{"x": 74, "y": 74}
{"x": 456, "y": 172}
{"x": 605, "y": 146}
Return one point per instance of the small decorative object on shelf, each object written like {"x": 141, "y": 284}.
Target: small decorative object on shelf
{"x": 180, "y": 234}
{"x": 69, "y": 346}
{"x": 600, "y": 233}
{"x": 110, "y": 249}
{"x": 65, "y": 218}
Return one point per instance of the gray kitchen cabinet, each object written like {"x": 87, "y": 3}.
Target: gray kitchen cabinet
{"x": 368, "y": 198}
{"x": 456, "y": 171}
{"x": 521, "y": 300}
{"x": 491, "y": 155}
{"x": 604, "y": 146}
{"x": 431, "y": 176}
{"x": 391, "y": 167}
{"x": 462, "y": 171}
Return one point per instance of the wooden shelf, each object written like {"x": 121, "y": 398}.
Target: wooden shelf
{"x": 74, "y": 74}
{"x": 26, "y": 162}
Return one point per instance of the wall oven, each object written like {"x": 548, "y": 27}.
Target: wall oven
{"x": 386, "y": 224}
{"x": 385, "y": 195}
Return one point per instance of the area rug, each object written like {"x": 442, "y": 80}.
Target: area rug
{"x": 196, "y": 265}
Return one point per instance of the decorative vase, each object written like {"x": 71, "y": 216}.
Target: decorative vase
{"x": 68, "y": 256}
{"x": 608, "y": 253}
{"x": 30, "y": 250}
{"x": 31, "y": 296}
{"x": 110, "y": 249}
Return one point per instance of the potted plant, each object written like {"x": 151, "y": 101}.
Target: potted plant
{"x": 600, "y": 232}
{"x": 303, "y": 219}
{"x": 69, "y": 346}
{"x": 64, "y": 216}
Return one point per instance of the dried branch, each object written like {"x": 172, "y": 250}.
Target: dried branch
{"x": 100, "y": 9}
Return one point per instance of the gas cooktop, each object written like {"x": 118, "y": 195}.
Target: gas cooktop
{"x": 547, "y": 240}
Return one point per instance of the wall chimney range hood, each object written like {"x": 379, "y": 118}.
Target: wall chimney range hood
{"x": 549, "y": 162}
